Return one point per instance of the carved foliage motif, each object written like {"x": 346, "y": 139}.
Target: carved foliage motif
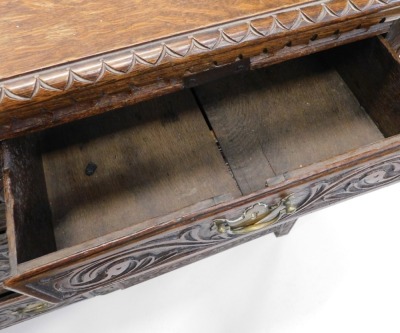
{"x": 351, "y": 183}
{"x": 194, "y": 239}
{"x": 264, "y": 26}
{"x": 134, "y": 261}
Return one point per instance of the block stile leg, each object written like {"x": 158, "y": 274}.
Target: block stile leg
{"x": 285, "y": 228}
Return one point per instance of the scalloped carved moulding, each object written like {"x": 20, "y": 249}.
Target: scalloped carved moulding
{"x": 52, "y": 96}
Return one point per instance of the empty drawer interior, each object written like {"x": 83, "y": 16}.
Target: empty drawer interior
{"x": 284, "y": 117}
{"x": 89, "y": 178}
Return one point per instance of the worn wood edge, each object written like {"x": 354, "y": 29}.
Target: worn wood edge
{"x": 389, "y": 47}
{"x": 145, "y": 226}
{"x": 16, "y": 298}
{"x": 9, "y": 200}
{"x": 13, "y": 309}
{"x": 150, "y": 60}
{"x": 168, "y": 267}
{"x": 37, "y": 268}
{"x": 70, "y": 282}
{"x": 320, "y": 44}
{"x": 393, "y": 37}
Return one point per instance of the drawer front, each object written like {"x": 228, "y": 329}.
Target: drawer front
{"x": 18, "y": 308}
{"x": 200, "y": 235}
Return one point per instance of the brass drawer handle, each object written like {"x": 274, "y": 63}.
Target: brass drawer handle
{"x": 33, "y": 308}
{"x": 256, "y": 217}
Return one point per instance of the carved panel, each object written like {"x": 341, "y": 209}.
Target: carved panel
{"x": 349, "y": 184}
{"x": 169, "y": 250}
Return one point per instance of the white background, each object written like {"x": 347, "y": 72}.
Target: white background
{"x": 337, "y": 271}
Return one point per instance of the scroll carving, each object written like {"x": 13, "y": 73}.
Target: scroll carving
{"x": 191, "y": 241}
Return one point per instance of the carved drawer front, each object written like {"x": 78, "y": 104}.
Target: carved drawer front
{"x": 18, "y": 308}
{"x": 135, "y": 258}
{"x": 114, "y": 200}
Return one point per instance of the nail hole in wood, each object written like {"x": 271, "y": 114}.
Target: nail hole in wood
{"x": 240, "y": 56}
{"x": 90, "y": 169}
{"x": 382, "y": 20}
{"x": 215, "y": 63}
{"x": 265, "y": 50}
{"x": 314, "y": 37}
{"x": 289, "y": 44}
{"x": 337, "y": 32}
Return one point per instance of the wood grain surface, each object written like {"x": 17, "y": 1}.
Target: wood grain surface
{"x": 378, "y": 91}
{"x": 40, "y": 34}
{"x": 144, "y": 161}
{"x": 283, "y": 118}
{"x": 393, "y": 37}
{"x": 28, "y": 215}
{"x": 196, "y": 236}
{"x": 52, "y": 82}
{"x": 163, "y": 245}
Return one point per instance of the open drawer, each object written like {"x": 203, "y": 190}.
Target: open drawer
{"x": 126, "y": 196}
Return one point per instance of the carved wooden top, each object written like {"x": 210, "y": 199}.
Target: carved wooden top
{"x": 40, "y": 34}
{"x": 50, "y": 48}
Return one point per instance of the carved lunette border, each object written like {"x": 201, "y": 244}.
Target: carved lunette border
{"x": 48, "y": 83}
{"x": 132, "y": 263}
